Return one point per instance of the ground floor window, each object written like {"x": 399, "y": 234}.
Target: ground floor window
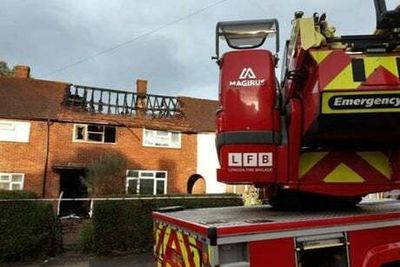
{"x": 144, "y": 182}
{"x": 11, "y": 181}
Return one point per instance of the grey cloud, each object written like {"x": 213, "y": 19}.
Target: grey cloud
{"x": 176, "y": 60}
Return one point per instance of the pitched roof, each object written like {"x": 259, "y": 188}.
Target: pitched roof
{"x": 200, "y": 113}
{"x": 27, "y": 99}
{"x": 30, "y": 98}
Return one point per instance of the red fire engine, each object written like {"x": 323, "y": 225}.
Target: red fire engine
{"x": 258, "y": 237}
{"x": 330, "y": 128}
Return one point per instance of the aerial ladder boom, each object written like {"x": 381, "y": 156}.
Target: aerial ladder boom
{"x": 329, "y": 128}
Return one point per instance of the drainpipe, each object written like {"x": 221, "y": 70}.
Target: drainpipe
{"x": 46, "y": 162}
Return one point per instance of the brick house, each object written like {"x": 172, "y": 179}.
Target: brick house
{"x": 50, "y": 132}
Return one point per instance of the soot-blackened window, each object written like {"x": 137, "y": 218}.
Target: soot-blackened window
{"x": 94, "y": 133}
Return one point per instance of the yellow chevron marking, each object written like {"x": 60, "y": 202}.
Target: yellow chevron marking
{"x": 343, "y": 174}
{"x": 379, "y": 161}
{"x": 158, "y": 236}
{"x": 195, "y": 251}
{"x": 166, "y": 237}
{"x": 344, "y": 80}
{"x": 308, "y": 160}
{"x": 319, "y": 56}
{"x": 372, "y": 63}
{"x": 184, "y": 251}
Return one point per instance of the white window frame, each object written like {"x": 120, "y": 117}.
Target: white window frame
{"x": 11, "y": 183}
{"x": 140, "y": 177}
{"x": 86, "y": 132}
{"x": 153, "y": 142}
{"x": 14, "y": 131}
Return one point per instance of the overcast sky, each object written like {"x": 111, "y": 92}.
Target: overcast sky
{"x": 112, "y": 43}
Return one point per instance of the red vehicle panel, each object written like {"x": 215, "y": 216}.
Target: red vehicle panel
{"x": 256, "y": 236}
{"x": 247, "y": 91}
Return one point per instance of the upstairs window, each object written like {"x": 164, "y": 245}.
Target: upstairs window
{"x": 146, "y": 182}
{"x": 11, "y": 181}
{"x": 94, "y": 133}
{"x": 161, "y": 138}
{"x": 14, "y": 131}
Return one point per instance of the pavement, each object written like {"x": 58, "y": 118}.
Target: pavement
{"x": 77, "y": 260}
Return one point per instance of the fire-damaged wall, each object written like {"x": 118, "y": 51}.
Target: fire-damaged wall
{"x": 62, "y": 141}
{"x": 63, "y": 153}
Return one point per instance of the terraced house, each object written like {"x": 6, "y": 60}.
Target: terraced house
{"x": 50, "y": 132}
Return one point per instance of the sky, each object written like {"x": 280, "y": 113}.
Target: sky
{"x": 110, "y": 44}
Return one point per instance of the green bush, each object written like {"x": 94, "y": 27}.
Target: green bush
{"x": 126, "y": 226}
{"x": 17, "y": 194}
{"x": 28, "y": 228}
{"x": 86, "y": 241}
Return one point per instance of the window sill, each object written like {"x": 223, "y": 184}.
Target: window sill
{"x": 170, "y": 147}
{"x": 92, "y": 142}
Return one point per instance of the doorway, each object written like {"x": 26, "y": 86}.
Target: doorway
{"x": 196, "y": 184}
{"x": 72, "y": 185}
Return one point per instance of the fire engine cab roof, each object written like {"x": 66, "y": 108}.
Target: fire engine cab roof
{"x": 241, "y": 220}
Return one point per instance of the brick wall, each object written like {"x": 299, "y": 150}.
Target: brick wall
{"x": 27, "y": 158}
{"x": 30, "y": 158}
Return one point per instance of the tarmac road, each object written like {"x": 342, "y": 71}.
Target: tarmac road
{"x": 73, "y": 260}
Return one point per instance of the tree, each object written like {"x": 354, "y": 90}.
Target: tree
{"x": 104, "y": 173}
{"x": 5, "y": 71}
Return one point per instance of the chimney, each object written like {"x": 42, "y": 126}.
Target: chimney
{"x": 141, "y": 87}
{"x": 141, "y": 100}
{"x": 21, "y": 71}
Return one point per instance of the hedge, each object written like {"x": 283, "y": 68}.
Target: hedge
{"x": 28, "y": 229}
{"x": 125, "y": 226}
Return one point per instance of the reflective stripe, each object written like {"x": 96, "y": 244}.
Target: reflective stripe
{"x": 345, "y": 167}
{"x": 308, "y": 160}
{"x": 351, "y": 76}
{"x": 343, "y": 174}
{"x": 185, "y": 245}
{"x": 379, "y": 161}
{"x": 320, "y": 55}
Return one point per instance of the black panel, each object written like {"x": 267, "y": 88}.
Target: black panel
{"x": 398, "y": 66}
{"x": 109, "y": 136}
{"x": 366, "y": 131}
{"x": 358, "y": 69}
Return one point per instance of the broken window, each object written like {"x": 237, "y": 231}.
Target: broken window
{"x": 146, "y": 182}
{"x": 94, "y": 133}
{"x": 161, "y": 138}
{"x": 11, "y": 181}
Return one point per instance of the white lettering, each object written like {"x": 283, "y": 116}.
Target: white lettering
{"x": 338, "y": 101}
{"x": 246, "y": 83}
{"x": 370, "y": 102}
{"x": 363, "y": 101}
